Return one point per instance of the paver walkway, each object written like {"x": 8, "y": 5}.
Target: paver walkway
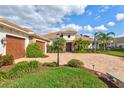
{"x": 103, "y": 63}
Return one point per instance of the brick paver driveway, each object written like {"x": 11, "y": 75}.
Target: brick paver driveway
{"x": 103, "y": 63}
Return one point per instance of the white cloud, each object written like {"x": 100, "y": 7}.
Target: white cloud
{"x": 96, "y": 28}
{"x": 98, "y": 18}
{"x": 88, "y": 28}
{"x": 104, "y": 8}
{"x": 40, "y": 18}
{"x": 120, "y": 17}
{"x": 100, "y": 28}
{"x": 88, "y": 12}
{"x": 110, "y": 24}
{"x": 71, "y": 27}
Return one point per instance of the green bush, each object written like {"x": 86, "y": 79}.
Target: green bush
{"x": 2, "y": 75}
{"x": 75, "y": 63}
{"x": 34, "y": 50}
{"x": 1, "y": 62}
{"x": 50, "y": 64}
{"x": 22, "y": 68}
{"x": 19, "y": 69}
{"x": 80, "y": 45}
{"x": 6, "y": 60}
{"x": 33, "y": 65}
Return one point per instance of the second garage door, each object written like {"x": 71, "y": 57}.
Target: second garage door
{"x": 42, "y": 45}
{"x": 15, "y": 46}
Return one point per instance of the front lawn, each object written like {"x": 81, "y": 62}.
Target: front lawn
{"x": 57, "y": 77}
{"x": 115, "y": 52}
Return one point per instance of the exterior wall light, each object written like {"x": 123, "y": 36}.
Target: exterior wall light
{"x": 3, "y": 41}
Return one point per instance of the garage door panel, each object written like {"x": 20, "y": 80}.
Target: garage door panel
{"x": 15, "y": 46}
{"x": 42, "y": 45}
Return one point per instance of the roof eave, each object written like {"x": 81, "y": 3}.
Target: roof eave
{"x": 14, "y": 28}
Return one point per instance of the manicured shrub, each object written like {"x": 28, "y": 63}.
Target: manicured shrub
{"x": 33, "y": 65}
{"x": 22, "y": 68}
{"x": 75, "y": 63}
{"x": 34, "y": 50}
{"x": 89, "y": 50}
{"x": 6, "y": 60}
{"x": 2, "y": 75}
{"x": 19, "y": 69}
{"x": 1, "y": 63}
{"x": 50, "y": 64}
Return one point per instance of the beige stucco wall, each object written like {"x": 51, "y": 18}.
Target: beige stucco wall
{"x": 7, "y": 31}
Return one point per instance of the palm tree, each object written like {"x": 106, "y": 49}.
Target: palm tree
{"x": 96, "y": 39}
{"x": 104, "y": 38}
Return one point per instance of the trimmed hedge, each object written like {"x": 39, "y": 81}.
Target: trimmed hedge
{"x": 50, "y": 64}
{"x": 22, "y": 68}
{"x": 6, "y": 60}
{"x": 34, "y": 50}
{"x": 3, "y": 75}
{"x": 75, "y": 63}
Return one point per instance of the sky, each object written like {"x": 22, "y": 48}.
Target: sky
{"x": 84, "y": 19}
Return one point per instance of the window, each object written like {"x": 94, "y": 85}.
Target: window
{"x": 61, "y": 35}
{"x": 69, "y": 36}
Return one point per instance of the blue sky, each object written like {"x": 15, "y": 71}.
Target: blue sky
{"x": 84, "y": 19}
{"x": 100, "y": 15}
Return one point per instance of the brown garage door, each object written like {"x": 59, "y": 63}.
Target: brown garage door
{"x": 42, "y": 45}
{"x": 15, "y": 46}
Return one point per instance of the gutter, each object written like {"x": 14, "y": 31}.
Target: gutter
{"x": 14, "y": 28}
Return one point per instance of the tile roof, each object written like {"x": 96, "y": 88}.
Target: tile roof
{"x": 53, "y": 35}
{"x": 119, "y": 39}
{"x": 40, "y": 37}
{"x": 2, "y": 20}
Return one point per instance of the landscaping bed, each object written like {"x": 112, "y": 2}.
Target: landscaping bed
{"x": 57, "y": 77}
{"x": 32, "y": 74}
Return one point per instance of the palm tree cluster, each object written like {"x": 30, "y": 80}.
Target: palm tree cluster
{"x": 102, "y": 40}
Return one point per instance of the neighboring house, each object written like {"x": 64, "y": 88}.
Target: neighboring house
{"x": 119, "y": 42}
{"x": 69, "y": 35}
{"x": 14, "y": 39}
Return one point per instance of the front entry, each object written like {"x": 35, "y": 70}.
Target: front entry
{"x": 68, "y": 46}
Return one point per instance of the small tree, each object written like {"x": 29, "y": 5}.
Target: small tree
{"x": 34, "y": 50}
{"x": 54, "y": 46}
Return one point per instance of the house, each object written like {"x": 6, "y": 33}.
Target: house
{"x": 119, "y": 42}
{"x": 69, "y": 35}
{"x": 14, "y": 39}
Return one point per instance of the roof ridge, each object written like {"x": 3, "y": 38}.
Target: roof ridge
{"x": 59, "y": 31}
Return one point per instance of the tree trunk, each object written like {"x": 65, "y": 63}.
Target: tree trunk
{"x": 95, "y": 44}
{"x": 104, "y": 46}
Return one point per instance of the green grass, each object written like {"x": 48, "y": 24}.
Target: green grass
{"x": 115, "y": 52}
{"x": 62, "y": 77}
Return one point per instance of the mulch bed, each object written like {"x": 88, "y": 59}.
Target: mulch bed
{"x": 100, "y": 75}
{"x": 103, "y": 77}
{"x": 6, "y": 68}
